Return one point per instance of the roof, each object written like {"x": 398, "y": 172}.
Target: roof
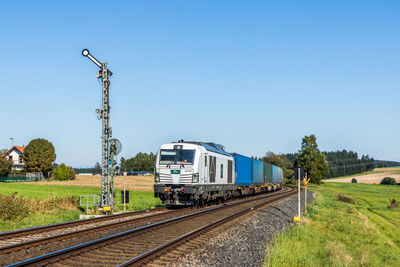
{"x": 210, "y": 147}
{"x": 19, "y": 148}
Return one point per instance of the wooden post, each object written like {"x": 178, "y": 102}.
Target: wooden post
{"x": 124, "y": 197}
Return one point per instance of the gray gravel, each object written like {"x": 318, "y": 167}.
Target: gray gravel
{"x": 243, "y": 244}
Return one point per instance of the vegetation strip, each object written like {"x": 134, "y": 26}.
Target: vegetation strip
{"x": 39, "y": 229}
{"x": 347, "y": 224}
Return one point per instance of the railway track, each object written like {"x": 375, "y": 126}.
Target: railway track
{"x": 140, "y": 245}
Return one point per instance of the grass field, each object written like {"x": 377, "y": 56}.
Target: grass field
{"x": 338, "y": 233}
{"x": 41, "y": 193}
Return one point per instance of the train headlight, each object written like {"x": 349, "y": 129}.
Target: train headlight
{"x": 195, "y": 178}
{"x": 157, "y": 177}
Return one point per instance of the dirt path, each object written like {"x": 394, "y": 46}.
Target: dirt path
{"x": 140, "y": 183}
{"x": 374, "y": 178}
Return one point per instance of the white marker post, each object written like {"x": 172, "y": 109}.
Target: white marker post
{"x": 305, "y": 196}
{"x": 298, "y": 176}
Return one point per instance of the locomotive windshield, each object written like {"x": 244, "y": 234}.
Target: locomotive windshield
{"x": 176, "y": 156}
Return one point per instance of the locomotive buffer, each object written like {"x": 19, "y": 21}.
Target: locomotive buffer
{"x": 110, "y": 147}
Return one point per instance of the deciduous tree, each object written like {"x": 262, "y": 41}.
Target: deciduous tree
{"x": 312, "y": 160}
{"x": 39, "y": 156}
{"x": 5, "y": 166}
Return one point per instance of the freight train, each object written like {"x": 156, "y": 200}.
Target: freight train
{"x": 195, "y": 173}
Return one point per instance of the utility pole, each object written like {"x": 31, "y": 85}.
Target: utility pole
{"x": 108, "y": 147}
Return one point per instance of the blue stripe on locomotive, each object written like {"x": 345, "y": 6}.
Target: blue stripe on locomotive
{"x": 243, "y": 169}
{"x": 258, "y": 172}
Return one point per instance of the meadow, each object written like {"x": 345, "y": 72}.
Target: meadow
{"x": 346, "y": 225}
{"x": 47, "y": 204}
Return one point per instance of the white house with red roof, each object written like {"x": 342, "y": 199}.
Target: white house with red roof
{"x": 15, "y": 154}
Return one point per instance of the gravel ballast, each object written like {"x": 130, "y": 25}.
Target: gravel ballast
{"x": 243, "y": 244}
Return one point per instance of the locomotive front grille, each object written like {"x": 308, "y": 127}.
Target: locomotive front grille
{"x": 166, "y": 178}
{"x": 185, "y": 179}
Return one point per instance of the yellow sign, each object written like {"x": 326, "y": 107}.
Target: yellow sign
{"x": 306, "y": 182}
{"x": 107, "y": 208}
{"x": 296, "y": 219}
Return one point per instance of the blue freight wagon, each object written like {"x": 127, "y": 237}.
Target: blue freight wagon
{"x": 274, "y": 174}
{"x": 258, "y": 172}
{"x": 243, "y": 170}
{"x": 267, "y": 173}
{"x": 280, "y": 176}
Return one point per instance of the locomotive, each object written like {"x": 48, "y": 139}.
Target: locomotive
{"x": 195, "y": 173}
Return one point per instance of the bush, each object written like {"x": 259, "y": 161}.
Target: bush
{"x": 394, "y": 204}
{"x": 5, "y": 166}
{"x": 354, "y": 180}
{"x": 71, "y": 173}
{"x": 13, "y": 207}
{"x": 389, "y": 181}
{"x": 61, "y": 173}
{"x": 346, "y": 199}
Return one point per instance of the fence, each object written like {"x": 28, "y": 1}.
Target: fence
{"x": 29, "y": 177}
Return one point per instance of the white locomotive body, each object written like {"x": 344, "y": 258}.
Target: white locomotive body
{"x": 192, "y": 173}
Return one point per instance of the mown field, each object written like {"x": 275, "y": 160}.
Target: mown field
{"x": 40, "y": 204}
{"x": 372, "y": 177}
{"x": 346, "y": 225}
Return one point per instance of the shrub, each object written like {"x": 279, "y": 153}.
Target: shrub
{"x": 346, "y": 199}
{"x": 389, "y": 181}
{"x": 5, "y": 166}
{"x": 354, "y": 180}
{"x": 394, "y": 204}
{"x": 61, "y": 173}
{"x": 13, "y": 207}
{"x": 71, "y": 173}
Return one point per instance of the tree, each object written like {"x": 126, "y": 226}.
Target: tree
{"x": 39, "y": 156}
{"x": 2, "y": 152}
{"x": 123, "y": 164}
{"x": 312, "y": 160}
{"x": 71, "y": 173}
{"x": 97, "y": 168}
{"x": 280, "y": 161}
{"x": 61, "y": 173}
{"x": 5, "y": 166}
{"x": 141, "y": 162}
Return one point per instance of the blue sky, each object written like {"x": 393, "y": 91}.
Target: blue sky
{"x": 255, "y": 76}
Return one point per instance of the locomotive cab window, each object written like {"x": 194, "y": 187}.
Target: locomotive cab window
{"x": 175, "y": 156}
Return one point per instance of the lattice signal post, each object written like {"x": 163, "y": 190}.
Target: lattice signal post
{"x": 107, "y": 149}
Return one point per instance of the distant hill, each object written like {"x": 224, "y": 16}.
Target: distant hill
{"x": 388, "y": 163}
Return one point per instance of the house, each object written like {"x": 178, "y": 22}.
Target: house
{"x": 15, "y": 154}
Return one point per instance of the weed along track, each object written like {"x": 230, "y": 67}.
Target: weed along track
{"x": 145, "y": 243}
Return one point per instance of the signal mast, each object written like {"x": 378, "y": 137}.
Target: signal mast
{"x": 110, "y": 148}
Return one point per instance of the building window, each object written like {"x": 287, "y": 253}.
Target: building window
{"x": 222, "y": 170}
{"x": 20, "y": 159}
{"x": 205, "y": 161}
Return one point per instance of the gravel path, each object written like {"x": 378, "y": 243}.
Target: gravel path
{"x": 243, "y": 244}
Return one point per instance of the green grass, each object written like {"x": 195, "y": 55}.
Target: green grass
{"x": 336, "y": 233}
{"x": 138, "y": 200}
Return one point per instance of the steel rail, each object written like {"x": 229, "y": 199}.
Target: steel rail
{"x": 162, "y": 249}
{"x": 65, "y": 253}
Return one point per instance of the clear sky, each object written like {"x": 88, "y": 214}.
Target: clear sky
{"x": 255, "y": 76}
